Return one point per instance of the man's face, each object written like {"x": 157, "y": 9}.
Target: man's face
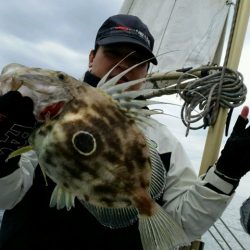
{"x": 107, "y": 57}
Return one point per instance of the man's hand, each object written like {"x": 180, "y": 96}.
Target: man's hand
{"x": 16, "y": 122}
{"x": 234, "y": 161}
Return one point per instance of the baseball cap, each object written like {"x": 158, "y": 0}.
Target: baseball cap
{"x": 126, "y": 29}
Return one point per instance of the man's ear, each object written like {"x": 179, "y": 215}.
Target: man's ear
{"x": 91, "y": 58}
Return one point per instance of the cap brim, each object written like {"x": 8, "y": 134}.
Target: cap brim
{"x": 124, "y": 39}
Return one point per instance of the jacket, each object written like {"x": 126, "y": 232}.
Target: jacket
{"x": 29, "y": 223}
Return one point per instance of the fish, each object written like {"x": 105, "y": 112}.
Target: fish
{"x": 92, "y": 143}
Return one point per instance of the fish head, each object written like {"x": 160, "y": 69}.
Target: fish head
{"x": 48, "y": 89}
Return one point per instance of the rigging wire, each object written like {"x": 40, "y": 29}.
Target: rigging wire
{"x": 165, "y": 30}
{"x": 218, "y": 231}
{"x": 223, "y": 238}
{"x": 218, "y": 242}
{"x": 236, "y": 239}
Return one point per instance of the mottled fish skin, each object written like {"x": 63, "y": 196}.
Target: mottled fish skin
{"x": 115, "y": 170}
{"x": 93, "y": 147}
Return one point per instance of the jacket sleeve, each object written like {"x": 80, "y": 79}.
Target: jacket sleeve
{"x": 186, "y": 197}
{"x": 14, "y": 186}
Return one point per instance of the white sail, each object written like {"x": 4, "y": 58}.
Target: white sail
{"x": 187, "y": 32}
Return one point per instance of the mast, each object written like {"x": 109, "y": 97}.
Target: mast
{"x": 215, "y": 133}
{"x": 232, "y": 59}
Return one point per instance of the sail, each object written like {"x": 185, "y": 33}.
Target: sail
{"x": 190, "y": 33}
{"x": 187, "y": 32}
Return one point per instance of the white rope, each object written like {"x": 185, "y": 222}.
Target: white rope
{"x": 203, "y": 90}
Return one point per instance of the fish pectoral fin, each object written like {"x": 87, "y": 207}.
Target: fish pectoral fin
{"x": 160, "y": 231}
{"x": 61, "y": 198}
{"x": 19, "y": 152}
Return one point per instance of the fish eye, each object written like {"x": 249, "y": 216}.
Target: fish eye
{"x": 84, "y": 142}
{"x": 61, "y": 76}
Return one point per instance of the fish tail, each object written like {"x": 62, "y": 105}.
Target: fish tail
{"x": 160, "y": 231}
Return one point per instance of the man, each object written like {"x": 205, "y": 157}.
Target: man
{"x": 195, "y": 203}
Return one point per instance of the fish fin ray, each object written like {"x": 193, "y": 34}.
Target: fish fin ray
{"x": 123, "y": 87}
{"x": 130, "y": 95}
{"x": 158, "y": 175}
{"x": 144, "y": 121}
{"x": 136, "y": 104}
{"x": 104, "y": 83}
{"x": 113, "y": 217}
{"x": 161, "y": 232}
{"x": 61, "y": 198}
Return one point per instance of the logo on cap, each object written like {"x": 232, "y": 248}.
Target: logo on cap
{"x": 136, "y": 32}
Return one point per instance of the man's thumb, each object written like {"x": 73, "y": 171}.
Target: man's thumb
{"x": 244, "y": 112}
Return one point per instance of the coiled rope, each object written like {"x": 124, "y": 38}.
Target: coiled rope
{"x": 203, "y": 91}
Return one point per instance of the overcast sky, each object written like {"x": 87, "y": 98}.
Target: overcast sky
{"x": 58, "y": 34}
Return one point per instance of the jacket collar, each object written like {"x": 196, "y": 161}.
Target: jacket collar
{"x": 91, "y": 79}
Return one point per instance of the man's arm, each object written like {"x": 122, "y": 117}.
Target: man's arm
{"x": 196, "y": 203}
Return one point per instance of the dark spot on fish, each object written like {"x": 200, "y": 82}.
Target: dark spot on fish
{"x": 105, "y": 190}
{"x": 86, "y": 197}
{"x": 112, "y": 141}
{"x": 65, "y": 184}
{"x": 90, "y": 169}
{"x": 107, "y": 201}
{"x": 144, "y": 182}
{"x": 45, "y": 130}
{"x": 72, "y": 171}
{"x": 49, "y": 157}
{"x": 137, "y": 155}
{"x": 113, "y": 157}
{"x": 112, "y": 113}
{"x": 144, "y": 205}
{"x": 77, "y": 168}
{"x": 130, "y": 122}
{"x": 122, "y": 118}
{"x": 75, "y": 105}
{"x": 130, "y": 164}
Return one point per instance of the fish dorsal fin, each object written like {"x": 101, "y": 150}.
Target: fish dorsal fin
{"x": 104, "y": 82}
{"x": 135, "y": 107}
{"x": 127, "y": 99}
